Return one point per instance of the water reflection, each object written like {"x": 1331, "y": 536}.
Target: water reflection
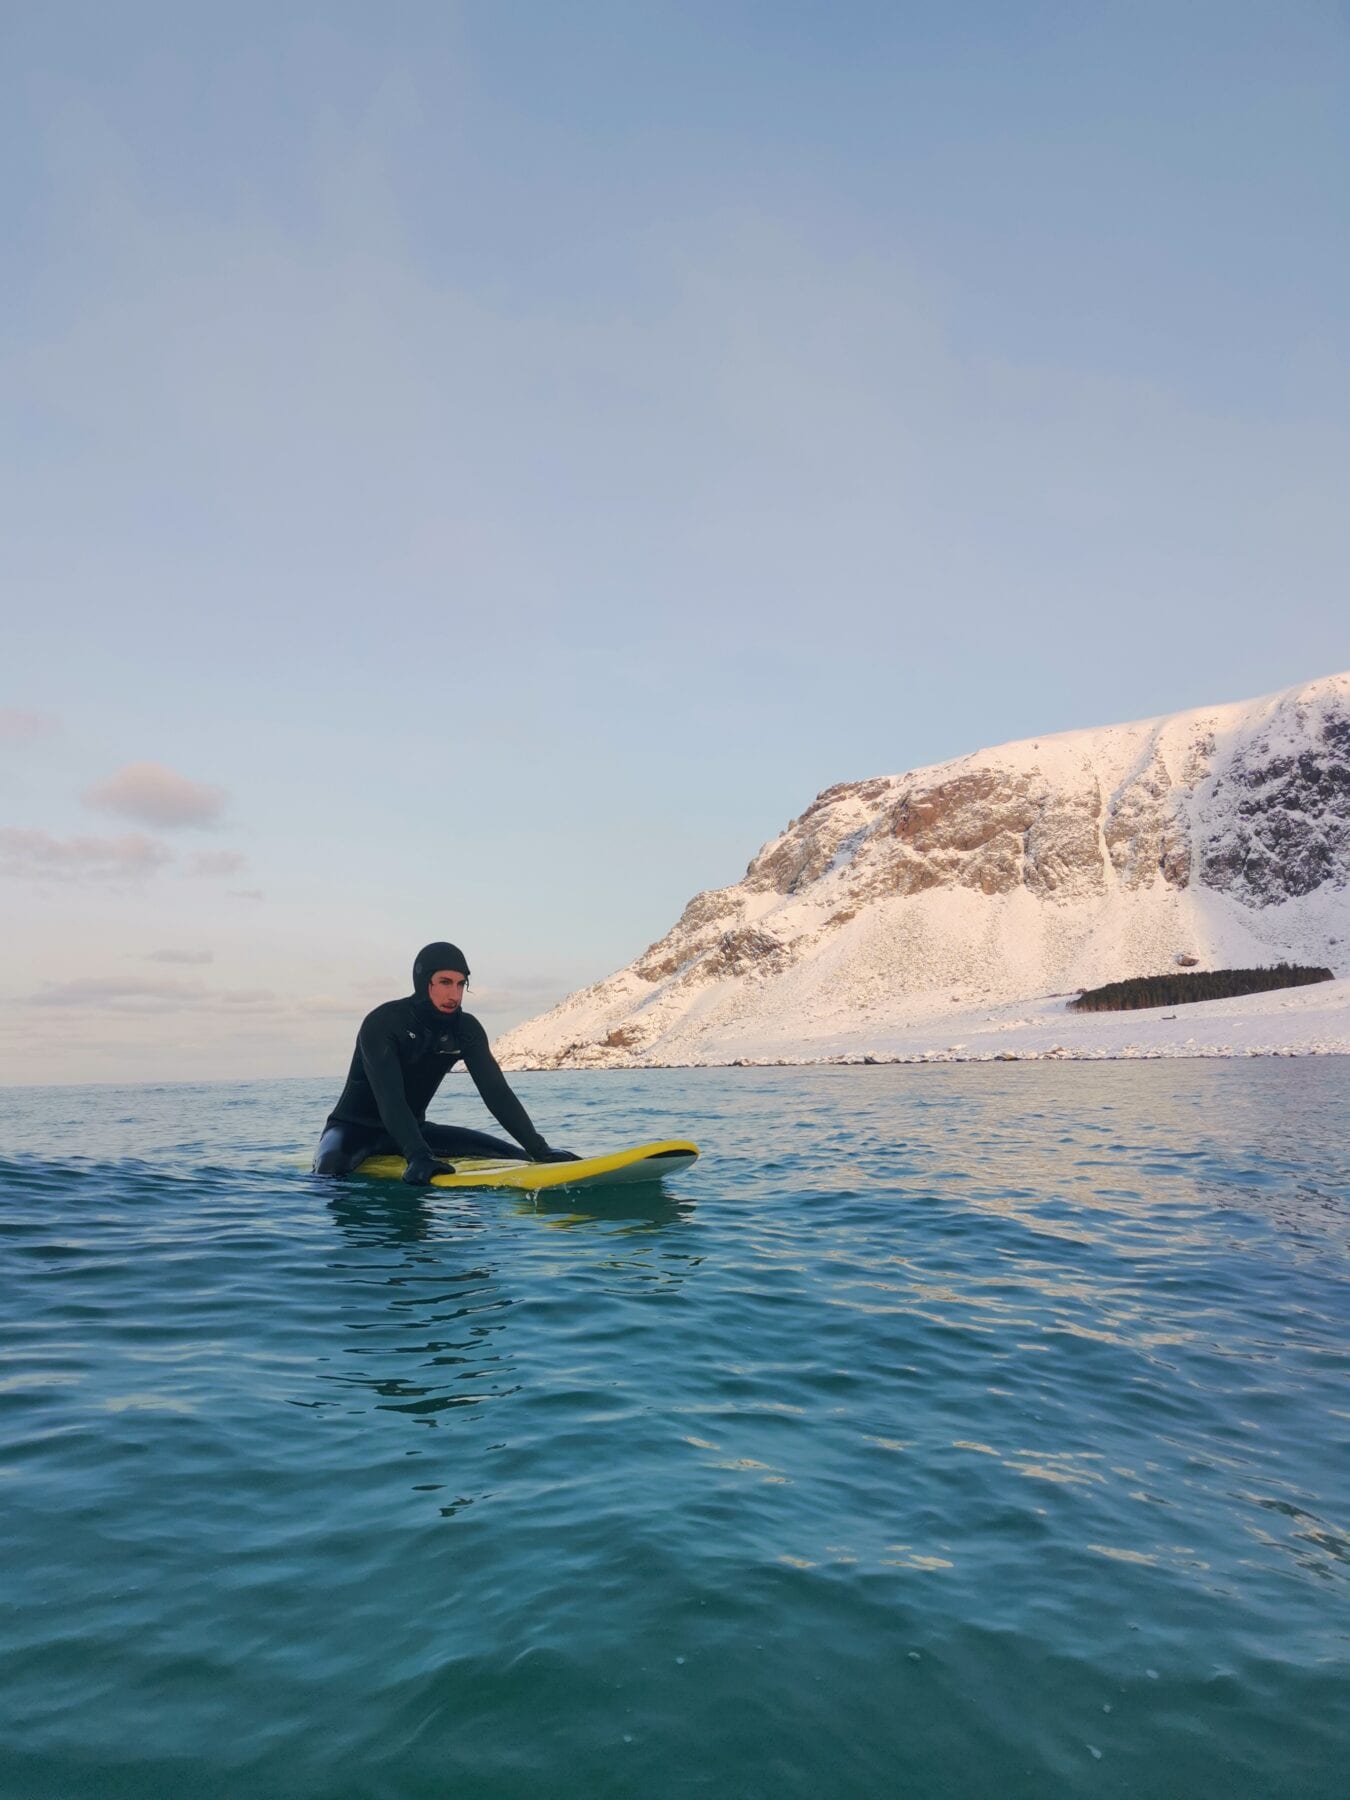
{"x": 431, "y": 1282}
{"x": 422, "y": 1334}
{"x": 645, "y": 1203}
{"x": 382, "y": 1211}
{"x": 370, "y": 1214}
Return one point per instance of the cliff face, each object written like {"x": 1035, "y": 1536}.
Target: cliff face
{"x": 1221, "y": 834}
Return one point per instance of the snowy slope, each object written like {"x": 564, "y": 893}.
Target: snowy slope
{"x": 894, "y": 908}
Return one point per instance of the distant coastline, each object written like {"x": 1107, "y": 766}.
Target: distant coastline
{"x": 1304, "y": 1021}
{"x": 947, "y": 913}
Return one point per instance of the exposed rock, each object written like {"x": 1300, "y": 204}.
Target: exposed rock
{"x": 748, "y": 952}
{"x": 1288, "y": 825}
{"x": 810, "y": 844}
{"x": 697, "y": 928}
{"x": 1145, "y": 835}
{"x": 1063, "y": 848}
{"x": 624, "y": 1037}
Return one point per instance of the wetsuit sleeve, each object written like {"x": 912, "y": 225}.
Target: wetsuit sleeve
{"x": 494, "y": 1087}
{"x": 385, "y": 1074}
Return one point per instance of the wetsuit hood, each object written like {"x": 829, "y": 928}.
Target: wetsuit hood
{"x": 430, "y": 959}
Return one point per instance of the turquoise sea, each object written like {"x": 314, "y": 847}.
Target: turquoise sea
{"x": 945, "y": 1432}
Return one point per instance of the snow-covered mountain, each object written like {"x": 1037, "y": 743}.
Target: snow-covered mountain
{"x": 1220, "y": 835}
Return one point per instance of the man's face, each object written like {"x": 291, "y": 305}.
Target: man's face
{"x": 447, "y": 990}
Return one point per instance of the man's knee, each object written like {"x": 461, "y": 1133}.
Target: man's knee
{"x": 334, "y": 1155}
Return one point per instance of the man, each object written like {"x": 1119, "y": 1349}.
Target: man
{"x": 403, "y": 1050}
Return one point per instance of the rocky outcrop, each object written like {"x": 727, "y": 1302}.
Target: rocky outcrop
{"x": 812, "y": 844}
{"x": 1033, "y": 867}
{"x": 701, "y": 925}
{"x": 1145, "y": 834}
{"x": 993, "y": 830}
{"x": 1286, "y": 829}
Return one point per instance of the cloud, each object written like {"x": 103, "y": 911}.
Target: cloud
{"x": 122, "y": 993}
{"x": 246, "y": 893}
{"x": 19, "y": 726}
{"x": 141, "y": 994}
{"x": 507, "y": 1001}
{"x": 37, "y": 855}
{"x": 180, "y": 956}
{"x": 526, "y": 990}
{"x": 158, "y": 796}
{"x": 217, "y": 862}
{"x": 380, "y": 987}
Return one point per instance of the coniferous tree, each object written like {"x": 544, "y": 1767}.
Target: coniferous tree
{"x": 1204, "y": 984}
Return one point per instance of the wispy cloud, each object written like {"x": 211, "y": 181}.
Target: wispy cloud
{"x": 142, "y": 994}
{"x": 381, "y": 987}
{"x": 122, "y": 993}
{"x": 323, "y": 1004}
{"x": 524, "y": 992}
{"x": 181, "y": 956}
{"x": 37, "y": 855}
{"x": 246, "y": 893}
{"x": 158, "y": 796}
{"x": 218, "y": 862}
{"x": 20, "y": 726}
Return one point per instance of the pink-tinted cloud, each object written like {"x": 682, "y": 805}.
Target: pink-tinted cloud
{"x": 181, "y": 956}
{"x": 218, "y": 862}
{"x": 158, "y": 796}
{"x": 37, "y": 855}
{"x": 20, "y": 726}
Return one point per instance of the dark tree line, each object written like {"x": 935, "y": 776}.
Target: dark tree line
{"x": 1204, "y": 984}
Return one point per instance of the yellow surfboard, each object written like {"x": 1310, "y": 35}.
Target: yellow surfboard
{"x": 644, "y": 1162}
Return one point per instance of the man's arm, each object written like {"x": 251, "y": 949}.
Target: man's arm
{"x": 385, "y": 1074}
{"x": 495, "y": 1089}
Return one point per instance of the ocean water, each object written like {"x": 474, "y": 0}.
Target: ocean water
{"x": 944, "y": 1432}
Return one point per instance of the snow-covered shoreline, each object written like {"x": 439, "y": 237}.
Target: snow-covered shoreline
{"x": 1303, "y": 1021}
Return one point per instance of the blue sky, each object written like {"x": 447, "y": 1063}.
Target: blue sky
{"x": 517, "y": 455}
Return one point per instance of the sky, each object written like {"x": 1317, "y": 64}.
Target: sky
{"x": 478, "y": 470}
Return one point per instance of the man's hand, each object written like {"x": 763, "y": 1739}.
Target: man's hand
{"x": 548, "y": 1154}
{"x": 420, "y": 1170}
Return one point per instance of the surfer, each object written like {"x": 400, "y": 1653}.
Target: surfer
{"x": 403, "y": 1050}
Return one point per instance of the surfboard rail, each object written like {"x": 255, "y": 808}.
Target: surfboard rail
{"x": 639, "y": 1162}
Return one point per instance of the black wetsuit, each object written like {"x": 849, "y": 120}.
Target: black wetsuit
{"x": 403, "y": 1051}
